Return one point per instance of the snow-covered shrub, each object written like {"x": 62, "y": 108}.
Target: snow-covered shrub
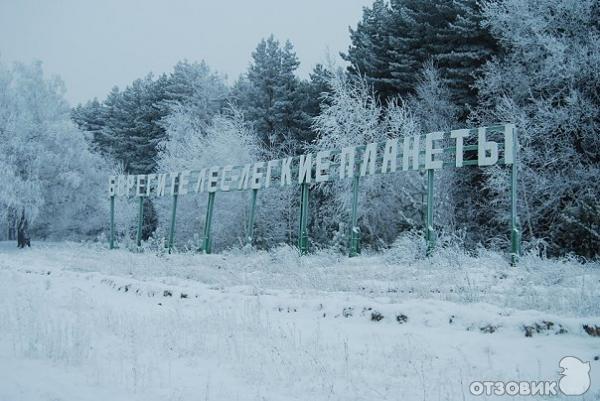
{"x": 407, "y": 248}
{"x": 278, "y": 207}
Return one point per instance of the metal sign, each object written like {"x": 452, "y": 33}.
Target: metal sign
{"x": 483, "y": 146}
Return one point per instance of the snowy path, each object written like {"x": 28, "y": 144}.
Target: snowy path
{"x": 82, "y": 323}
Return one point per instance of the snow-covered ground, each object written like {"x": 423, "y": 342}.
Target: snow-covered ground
{"x": 79, "y": 322}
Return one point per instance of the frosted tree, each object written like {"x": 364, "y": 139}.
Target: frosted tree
{"x": 226, "y": 140}
{"x": 432, "y": 104}
{"x": 389, "y": 204}
{"x": 548, "y": 82}
{"x": 50, "y": 178}
{"x": 432, "y": 107}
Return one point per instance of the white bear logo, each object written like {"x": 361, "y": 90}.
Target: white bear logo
{"x": 575, "y": 374}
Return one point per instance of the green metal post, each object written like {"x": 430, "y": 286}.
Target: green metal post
{"x": 207, "y": 240}
{"x": 430, "y": 234}
{"x": 515, "y": 234}
{"x": 303, "y": 232}
{"x": 172, "y": 229}
{"x": 354, "y": 229}
{"x": 112, "y": 223}
{"x": 250, "y": 234}
{"x": 140, "y": 222}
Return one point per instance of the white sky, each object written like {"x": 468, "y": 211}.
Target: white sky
{"x": 94, "y": 45}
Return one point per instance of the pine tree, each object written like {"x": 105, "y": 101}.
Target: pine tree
{"x": 132, "y": 128}
{"x": 467, "y": 47}
{"x": 369, "y": 55}
{"x": 392, "y": 42}
{"x": 270, "y": 94}
{"x": 195, "y": 87}
{"x": 128, "y": 125}
{"x": 90, "y": 118}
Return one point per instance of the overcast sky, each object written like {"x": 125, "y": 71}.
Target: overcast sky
{"x": 94, "y": 45}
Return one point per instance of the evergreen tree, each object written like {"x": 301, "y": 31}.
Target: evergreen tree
{"x": 271, "y": 96}
{"x": 314, "y": 92}
{"x": 144, "y": 132}
{"x": 196, "y": 88}
{"x": 393, "y": 40}
{"x": 369, "y": 52}
{"x": 129, "y": 125}
{"x": 90, "y": 118}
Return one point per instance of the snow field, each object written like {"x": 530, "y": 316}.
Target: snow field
{"x": 81, "y": 322}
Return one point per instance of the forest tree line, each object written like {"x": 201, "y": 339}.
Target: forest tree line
{"x": 412, "y": 66}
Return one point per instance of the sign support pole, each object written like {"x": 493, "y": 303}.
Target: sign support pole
{"x": 140, "y": 222}
{"x": 112, "y": 223}
{"x": 354, "y": 229}
{"x": 515, "y": 234}
{"x": 250, "y": 234}
{"x": 430, "y": 233}
{"x": 207, "y": 240}
{"x": 303, "y": 232}
{"x": 172, "y": 228}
